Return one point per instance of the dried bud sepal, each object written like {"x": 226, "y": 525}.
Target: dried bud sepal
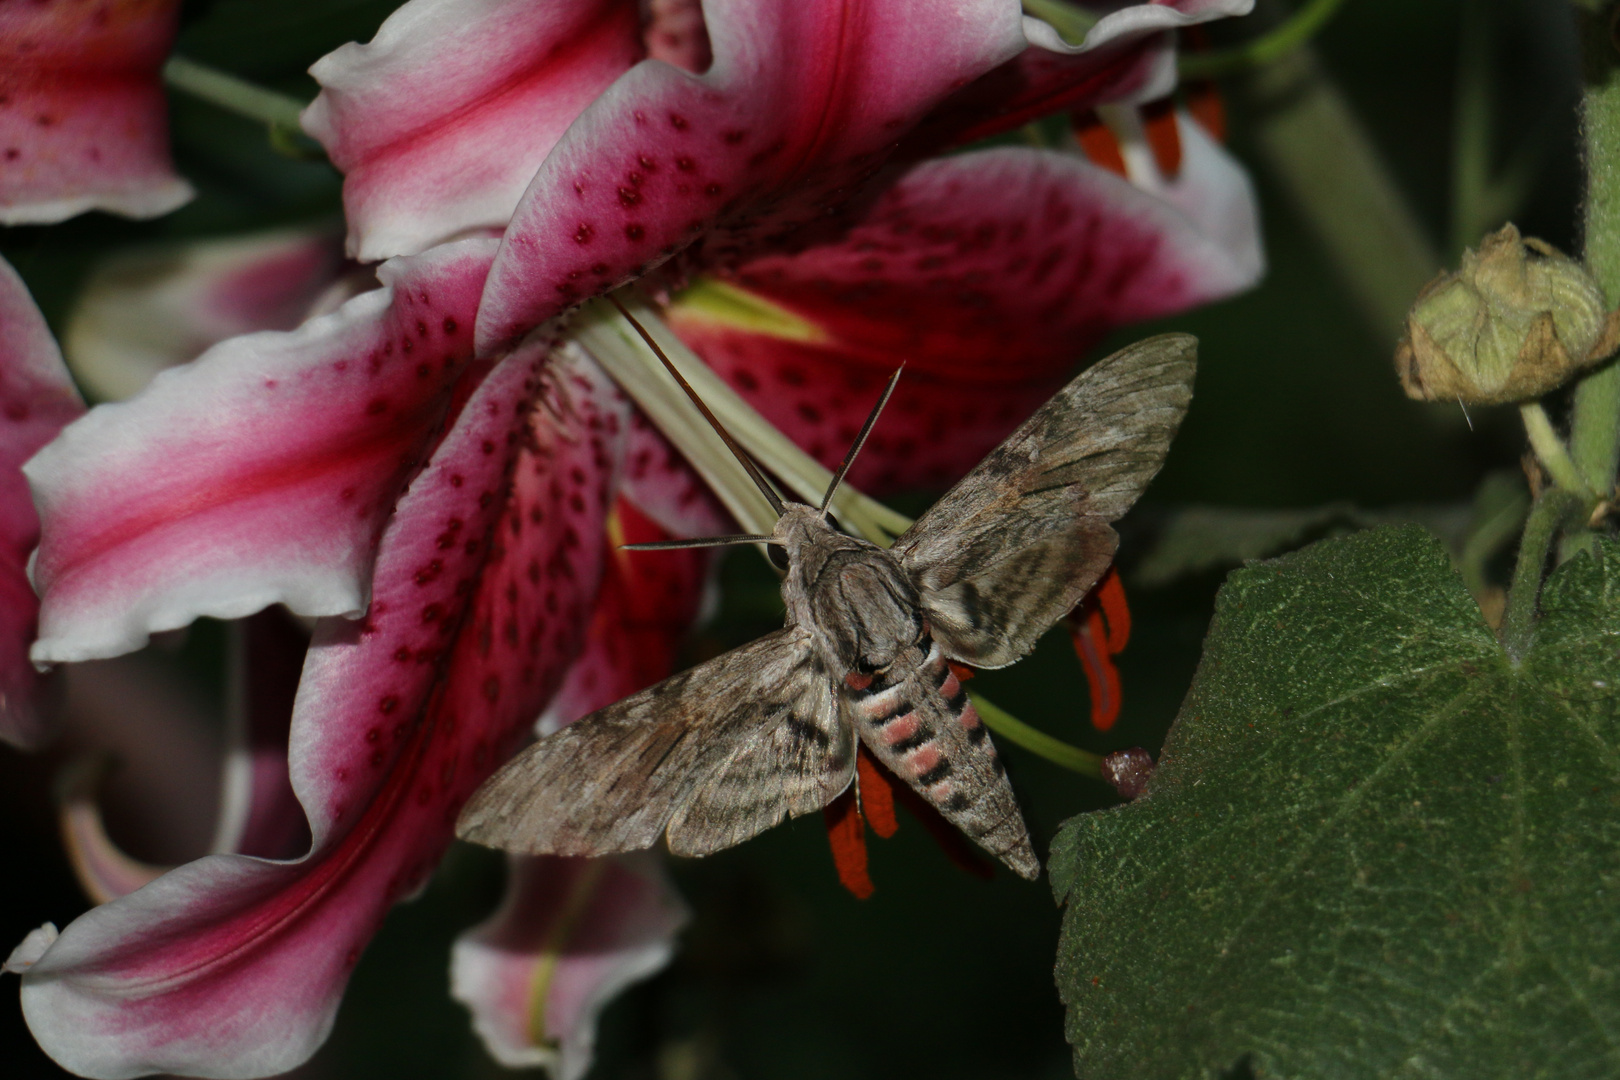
{"x": 1513, "y": 323}
{"x": 1128, "y": 771}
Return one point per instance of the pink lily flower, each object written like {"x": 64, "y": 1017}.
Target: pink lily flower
{"x": 36, "y": 399}
{"x": 444, "y": 511}
{"x": 83, "y": 120}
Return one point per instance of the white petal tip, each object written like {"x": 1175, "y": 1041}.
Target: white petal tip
{"x": 139, "y": 204}
{"x": 33, "y": 947}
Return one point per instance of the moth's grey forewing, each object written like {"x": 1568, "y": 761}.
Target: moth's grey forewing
{"x": 715, "y": 754}
{"x": 1020, "y": 540}
{"x": 917, "y": 720}
{"x": 799, "y": 756}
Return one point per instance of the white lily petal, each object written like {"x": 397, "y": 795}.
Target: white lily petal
{"x": 27, "y": 954}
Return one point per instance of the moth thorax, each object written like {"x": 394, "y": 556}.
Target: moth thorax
{"x": 866, "y": 609}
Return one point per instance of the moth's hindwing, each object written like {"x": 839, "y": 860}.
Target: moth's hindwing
{"x": 715, "y": 754}
{"x": 1014, "y": 546}
{"x": 917, "y": 719}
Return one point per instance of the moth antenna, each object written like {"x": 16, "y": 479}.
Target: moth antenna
{"x": 699, "y": 542}
{"x": 860, "y": 441}
{"x": 742, "y": 457}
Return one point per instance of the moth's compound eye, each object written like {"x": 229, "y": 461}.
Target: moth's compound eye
{"x": 778, "y": 556}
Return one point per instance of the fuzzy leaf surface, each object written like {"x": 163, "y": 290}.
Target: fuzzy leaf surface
{"x": 1373, "y": 847}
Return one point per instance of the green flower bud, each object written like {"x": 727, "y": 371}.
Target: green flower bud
{"x": 1516, "y": 321}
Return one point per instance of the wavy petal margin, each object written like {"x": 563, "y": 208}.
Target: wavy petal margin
{"x": 261, "y": 473}
{"x": 439, "y": 123}
{"x": 988, "y": 274}
{"x": 36, "y": 399}
{"x": 803, "y": 103}
{"x": 571, "y": 936}
{"x": 233, "y": 966}
{"x": 1128, "y": 57}
{"x": 83, "y": 120}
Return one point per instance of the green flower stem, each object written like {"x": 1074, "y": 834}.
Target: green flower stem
{"x": 1015, "y": 731}
{"x": 1595, "y": 419}
{"x": 1486, "y": 539}
{"x": 1271, "y": 46}
{"x": 1312, "y": 143}
{"x": 1547, "y": 516}
{"x": 233, "y": 94}
{"x": 1595, "y": 428}
{"x": 1550, "y": 450}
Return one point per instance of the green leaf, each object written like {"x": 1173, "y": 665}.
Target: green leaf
{"x": 1373, "y": 848}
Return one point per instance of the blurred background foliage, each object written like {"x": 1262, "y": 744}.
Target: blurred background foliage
{"x": 782, "y": 974}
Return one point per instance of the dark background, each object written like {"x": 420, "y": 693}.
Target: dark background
{"x": 782, "y": 974}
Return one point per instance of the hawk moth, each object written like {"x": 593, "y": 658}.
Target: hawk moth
{"x": 725, "y": 750}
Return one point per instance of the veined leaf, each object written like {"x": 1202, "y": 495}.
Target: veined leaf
{"x": 1373, "y": 847}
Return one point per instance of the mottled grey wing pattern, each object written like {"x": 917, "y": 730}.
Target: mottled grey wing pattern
{"x": 795, "y": 764}
{"x": 1014, "y": 546}
{"x": 917, "y": 720}
{"x": 716, "y": 754}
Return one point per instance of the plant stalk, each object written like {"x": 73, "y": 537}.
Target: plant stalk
{"x": 233, "y": 94}
{"x": 1271, "y": 46}
{"x": 1071, "y": 23}
{"x": 1594, "y": 433}
{"x": 1519, "y": 618}
{"x": 1015, "y": 731}
{"x": 1550, "y": 450}
{"x": 1332, "y": 172}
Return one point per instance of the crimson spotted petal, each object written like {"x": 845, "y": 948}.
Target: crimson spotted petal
{"x": 989, "y": 274}
{"x": 261, "y": 473}
{"x": 801, "y": 106}
{"x": 232, "y": 965}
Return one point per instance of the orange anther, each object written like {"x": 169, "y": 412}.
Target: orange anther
{"x": 1205, "y": 106}
{"x": 1110, "y": 594}
{"x": 877, "y": 794}
{"x": 1099, "y": 628}
{"x": 1163, "y": 138}
{"x": 1100, "y": 145}
{"x": 847, "y": 837}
